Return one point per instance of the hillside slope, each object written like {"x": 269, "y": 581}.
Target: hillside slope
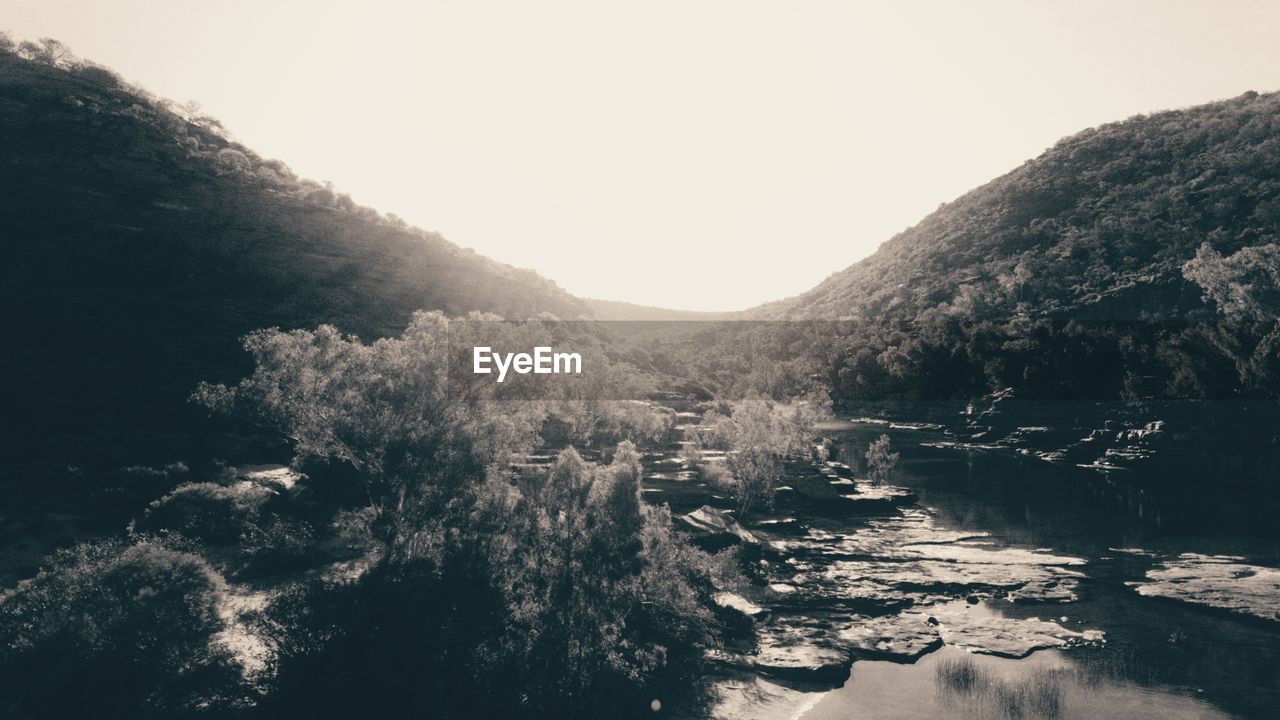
{"x": 140, "y": 244}
{"x": 1098, "y": 227}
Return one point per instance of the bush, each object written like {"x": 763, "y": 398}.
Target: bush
{"x": 215, "y": 514}
{"x": 116, "y": 630}
{"x": 758, "y": 436}
{"x": 564, "y": 595}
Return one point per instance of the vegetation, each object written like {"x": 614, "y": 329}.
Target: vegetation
{"x": 1037, "y": 695}
{"x": 115, "y": 629}
{"x": 758, "y": 436}
{"x": 550, "y": 592}
{"x": 880, "y": 461}
{"x": 1136, "y": 260}
{"x": 1131, "y": 262}
{"x": 422, "y": 556}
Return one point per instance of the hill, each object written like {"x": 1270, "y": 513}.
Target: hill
{"x": 141, "y": 243}
{"x": 612, "y": 310}
{"x": 1098, "y": 227}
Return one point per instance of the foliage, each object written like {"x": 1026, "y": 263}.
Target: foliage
{"x": 1243, "y": 285}
{"x": 880, "y": 461}
{"x": 385, "y": 408}
{"x": 116, "y": 630}
{"x": 552, "y": 592}
{"x": 208, "y": 512}
{"x": 590, "y": 576}
{"x": 1132, "y": 261}
{"x": 560, "y": 593}
{"x": 758, "y": 436}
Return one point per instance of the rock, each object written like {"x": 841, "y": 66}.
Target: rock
{"x": 813, "y": 487}
{"x": 801, "y": 649}
{"x": 280, "y": 478}
{"x": 932, "y": 579}
{"x": 787, "y": 526}
{"x": 715, "y": 529}
{"x": 840, "y": 469}
{"x": 900, "y": 638}
{"x": 832, "y": 498}
{"x": 980, "y": 630}
{"x": 1222, "y": 582}
{"x": 752, "y": 697}
{"x": 1046, "y": 589}
{"x": 734, "y": 601}
{"x": 892, "y": 563}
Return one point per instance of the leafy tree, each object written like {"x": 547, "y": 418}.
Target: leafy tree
{"x": 599, "y": 592}
{"x": 385, "y": 408}
{"x": 880, "y": 461}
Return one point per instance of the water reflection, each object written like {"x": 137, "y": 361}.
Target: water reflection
{"x": 1162, "y": 658}
{"x": 952, "y": 683}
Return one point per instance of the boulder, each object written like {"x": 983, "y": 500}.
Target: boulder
{"x": 715, "y": 529}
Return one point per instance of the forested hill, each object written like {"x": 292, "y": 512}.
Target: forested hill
{"x": 140, "y": 243}
{"x": 1098, "y": 227}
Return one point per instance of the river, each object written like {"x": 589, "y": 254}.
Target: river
{"x": 1000, "y": 585}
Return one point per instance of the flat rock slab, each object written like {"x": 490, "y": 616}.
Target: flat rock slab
{"x": 797, "y": 649}
{"x": 1217, "y": 581}
{"x": 886, "y": 538}
{"x": 754, "y": 698}
{"x": 892, "y": 563}
{"x": 856, "y": 579}
{"x": 978, "y": 629}
{"x": 899, "y": 638}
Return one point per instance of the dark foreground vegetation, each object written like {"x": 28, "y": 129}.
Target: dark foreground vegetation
{"x": 419, "y": 567}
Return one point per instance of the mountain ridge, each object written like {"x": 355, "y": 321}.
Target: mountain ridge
{"x": 1081, "y": 220}
{"x": 144, "y": 242}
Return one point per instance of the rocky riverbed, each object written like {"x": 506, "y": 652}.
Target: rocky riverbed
{"x": 846, "y": 574}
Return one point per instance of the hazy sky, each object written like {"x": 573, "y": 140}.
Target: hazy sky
{"x": 697, "y": 155}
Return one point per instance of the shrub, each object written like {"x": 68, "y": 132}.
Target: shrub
{"x": 759, "y": 435}
{"x": 215, "y": 514}
{"x": 115, "y": 630}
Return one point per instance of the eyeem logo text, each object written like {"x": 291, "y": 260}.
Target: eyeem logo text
{"x": 543, "y": 361}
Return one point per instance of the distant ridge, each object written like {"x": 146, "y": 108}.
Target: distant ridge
{"x": 623, "y": 311}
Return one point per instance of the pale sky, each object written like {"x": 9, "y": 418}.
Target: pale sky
{"x": 696, "y": 155}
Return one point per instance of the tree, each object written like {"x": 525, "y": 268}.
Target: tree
{"x": 387, "y": 409}
{"x": 47, "y": 51}
{"x": 880, "y": 462}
